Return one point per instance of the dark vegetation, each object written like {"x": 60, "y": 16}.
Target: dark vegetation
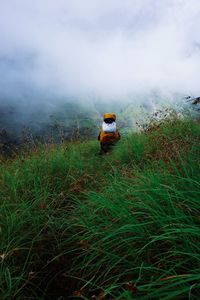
{"x": 25, "y": 128}
{"x": 75, "y": 225}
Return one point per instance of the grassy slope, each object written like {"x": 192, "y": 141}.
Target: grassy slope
{"x": 122, "y": 226}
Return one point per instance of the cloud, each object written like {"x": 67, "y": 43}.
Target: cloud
{"x": 98, "y": 48}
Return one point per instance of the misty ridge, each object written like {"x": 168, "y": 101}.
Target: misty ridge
{"x": 46, "y": 120}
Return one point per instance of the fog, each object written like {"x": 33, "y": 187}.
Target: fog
{"x": 98, "y": 49}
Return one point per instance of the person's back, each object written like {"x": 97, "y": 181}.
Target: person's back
{"x": 109, "y": 133}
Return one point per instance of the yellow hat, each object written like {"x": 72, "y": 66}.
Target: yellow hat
{"x": 109, "y": 116}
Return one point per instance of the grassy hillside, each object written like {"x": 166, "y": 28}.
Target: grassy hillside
{"x": 75, "y": 225}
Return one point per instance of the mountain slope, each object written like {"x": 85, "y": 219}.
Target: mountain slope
{"x": 121, "y": 226}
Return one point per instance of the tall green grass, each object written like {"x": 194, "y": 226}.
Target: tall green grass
{"x": 120, "y": 226}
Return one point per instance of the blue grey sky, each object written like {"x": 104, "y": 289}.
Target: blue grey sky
{"x": 99, "y": 48}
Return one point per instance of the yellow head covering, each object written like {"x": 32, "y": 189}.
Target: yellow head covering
{"x": 109, "y": 116}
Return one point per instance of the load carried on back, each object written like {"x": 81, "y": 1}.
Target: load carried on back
{"x": 109, "y": 127}
{"x": 109, "y": 134}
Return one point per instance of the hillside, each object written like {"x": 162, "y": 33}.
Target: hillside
{"x": 25, "y": 126}
{"x": 75, "y": 225}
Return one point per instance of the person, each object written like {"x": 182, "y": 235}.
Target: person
{"x": 109, "y": 133}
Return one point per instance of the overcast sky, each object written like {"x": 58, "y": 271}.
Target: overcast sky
{"x": 99, "y": 48}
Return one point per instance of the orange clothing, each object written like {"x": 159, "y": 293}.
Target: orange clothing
{"x": 109, "y": 137}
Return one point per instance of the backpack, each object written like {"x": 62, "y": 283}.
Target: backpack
{"x": 109, "y": 127}
{"x": 109, "y": 137}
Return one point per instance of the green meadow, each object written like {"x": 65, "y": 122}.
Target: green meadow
{"x": 122, "y": 226}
